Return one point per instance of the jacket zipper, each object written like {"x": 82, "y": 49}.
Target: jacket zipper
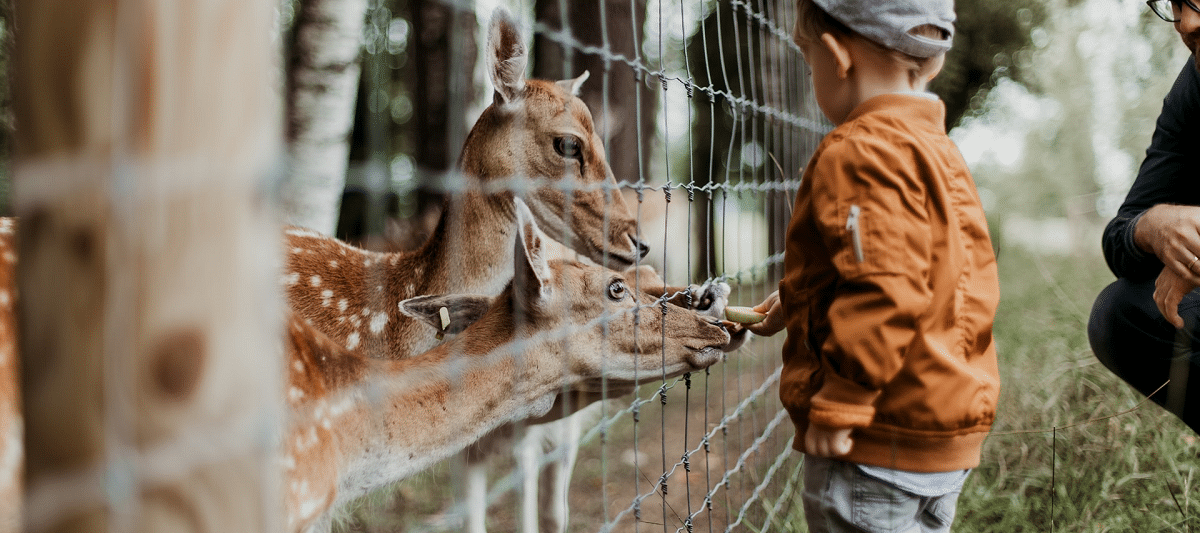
{"x": 852, "y": 227}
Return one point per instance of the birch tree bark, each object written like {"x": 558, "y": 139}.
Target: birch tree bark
{"x": 323, "y": 76}
{"x": 149, "y": 334}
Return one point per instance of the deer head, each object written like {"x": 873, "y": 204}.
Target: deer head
{"x": 541, "y": 130}
{"x": 360, "y": 423}
{"x": 598, "y": 324}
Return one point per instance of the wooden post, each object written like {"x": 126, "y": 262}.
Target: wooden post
{"x": 148, "y": 314}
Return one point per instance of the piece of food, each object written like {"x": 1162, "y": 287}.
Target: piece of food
{"x": 743, "y": 315}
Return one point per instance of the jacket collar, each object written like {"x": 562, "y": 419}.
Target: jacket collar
{"x": 912, "y": 108}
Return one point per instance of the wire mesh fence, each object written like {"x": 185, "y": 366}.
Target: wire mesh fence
{"x": 708, "y": 120}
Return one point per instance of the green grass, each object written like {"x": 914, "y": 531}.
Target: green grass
{"x": 1096, "y": 472}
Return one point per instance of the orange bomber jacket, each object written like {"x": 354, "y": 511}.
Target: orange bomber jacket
{"x": 890, "y": 289}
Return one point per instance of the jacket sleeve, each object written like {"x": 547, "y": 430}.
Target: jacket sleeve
{"x": 872, "y": 212}
{"x": 1168, "y": 175}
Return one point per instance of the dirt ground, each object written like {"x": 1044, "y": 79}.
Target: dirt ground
{"x": 627, "y": 464}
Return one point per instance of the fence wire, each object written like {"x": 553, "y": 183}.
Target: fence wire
{"x": 733, "y": 125}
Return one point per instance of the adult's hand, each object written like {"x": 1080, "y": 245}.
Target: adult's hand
{"x": 1169, "y": 290}
{"x": 1172, "y": 232}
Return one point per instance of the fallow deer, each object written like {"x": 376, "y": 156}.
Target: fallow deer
{"x": 360, "y": 422}
{"x": 357, "y": 423}
{"x": 536, "y": 135}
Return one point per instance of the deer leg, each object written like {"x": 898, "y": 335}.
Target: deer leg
{"x": 557, "y": 482}
{"x": 476, "y": 488}
{"x": 528, "y": 453}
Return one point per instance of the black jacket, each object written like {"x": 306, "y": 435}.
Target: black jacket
{"x": 1170, "y": 174}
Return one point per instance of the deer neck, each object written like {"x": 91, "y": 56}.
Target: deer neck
{"x": 473, "y": 251}
{"x": 353, "y": 295}
{"x": 413, "y": 413}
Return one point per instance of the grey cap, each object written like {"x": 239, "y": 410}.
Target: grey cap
{"x": 889, "y": 22}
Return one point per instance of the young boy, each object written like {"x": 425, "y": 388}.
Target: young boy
{"x": 890, "y": 285}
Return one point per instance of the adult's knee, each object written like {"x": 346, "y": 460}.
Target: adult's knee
{"x": 1124, "y": 318}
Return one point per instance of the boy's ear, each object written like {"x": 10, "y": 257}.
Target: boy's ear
{"x": 841, "y": 54}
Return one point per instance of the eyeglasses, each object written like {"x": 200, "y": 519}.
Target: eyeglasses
{"x": 1171, "y": 10}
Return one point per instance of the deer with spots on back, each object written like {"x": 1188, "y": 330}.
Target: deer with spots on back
{"x": 356, "y": 423}
{"x": 537, "y": 136}
{"x": 360, "y": 423}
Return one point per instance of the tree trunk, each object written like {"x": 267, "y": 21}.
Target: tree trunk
{"x": 149, "y": 330}
{"x": 323, "y": 76}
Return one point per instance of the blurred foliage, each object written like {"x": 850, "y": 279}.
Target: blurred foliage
{"x": 1081, "y": 116}
{"x": 991, "y": 41}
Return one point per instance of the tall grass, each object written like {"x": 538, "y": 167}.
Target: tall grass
{"x": 1058, "y": 459}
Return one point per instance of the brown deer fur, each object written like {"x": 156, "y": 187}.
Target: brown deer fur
{"x": 357, "y": 423}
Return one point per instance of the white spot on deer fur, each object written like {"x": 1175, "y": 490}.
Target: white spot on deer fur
{"x": 315, "y": 281}
{"x": 297, "y": 366}
{"x": 9, "y": 257}
{"x": 366, "y": 311}
{"x": 297, "y": 250}
{"x": 326, "y": 297}
{"x": 333, "y": 264}
{"x": 292, "y": 279}
{"x": 342, "y": 304}
{"x": 409, "y": 289}
{"x": 310, "y": 507}
{"x": 377, "y": 322}
{"x": 5, "y": 299}
{"x": 289, "y": 462}
{"x": 352, "y": 340}
{"x": 295, "y": 394}
{"x": 355, "y": 320}
{"x": 301, "y": 232}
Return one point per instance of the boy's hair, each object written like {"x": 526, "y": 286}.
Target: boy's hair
{"x": 812, "y": 21}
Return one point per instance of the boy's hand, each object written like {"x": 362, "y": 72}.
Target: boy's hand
{"x": 824, "y": 441}
{"x": 775, "y": 319}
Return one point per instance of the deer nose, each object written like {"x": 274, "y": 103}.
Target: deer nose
{"x": 642, "y": 247}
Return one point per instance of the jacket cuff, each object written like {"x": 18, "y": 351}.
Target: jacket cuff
{"x": 841, "y": 403}
{"x": 1136, "y": 254}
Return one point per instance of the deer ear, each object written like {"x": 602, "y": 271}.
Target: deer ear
{"x": 572, "y": 86}
{"x": 462, "y": 310}
{"x": 506, "y": 57}
{"x": 531, "y": 272}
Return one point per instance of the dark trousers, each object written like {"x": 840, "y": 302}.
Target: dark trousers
{"x": 1130, "y": 336}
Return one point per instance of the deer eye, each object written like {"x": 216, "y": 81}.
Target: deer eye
{"x": 617, "y": 290}
{"x": 567, "y": 146}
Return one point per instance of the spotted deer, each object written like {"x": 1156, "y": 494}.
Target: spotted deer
{"x": 356, "y": 423}
{"x": 537, "y": 137}
{"x": 360, "y": 423}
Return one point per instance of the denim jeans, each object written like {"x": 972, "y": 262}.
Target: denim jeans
{"x": 838, "y": 497}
